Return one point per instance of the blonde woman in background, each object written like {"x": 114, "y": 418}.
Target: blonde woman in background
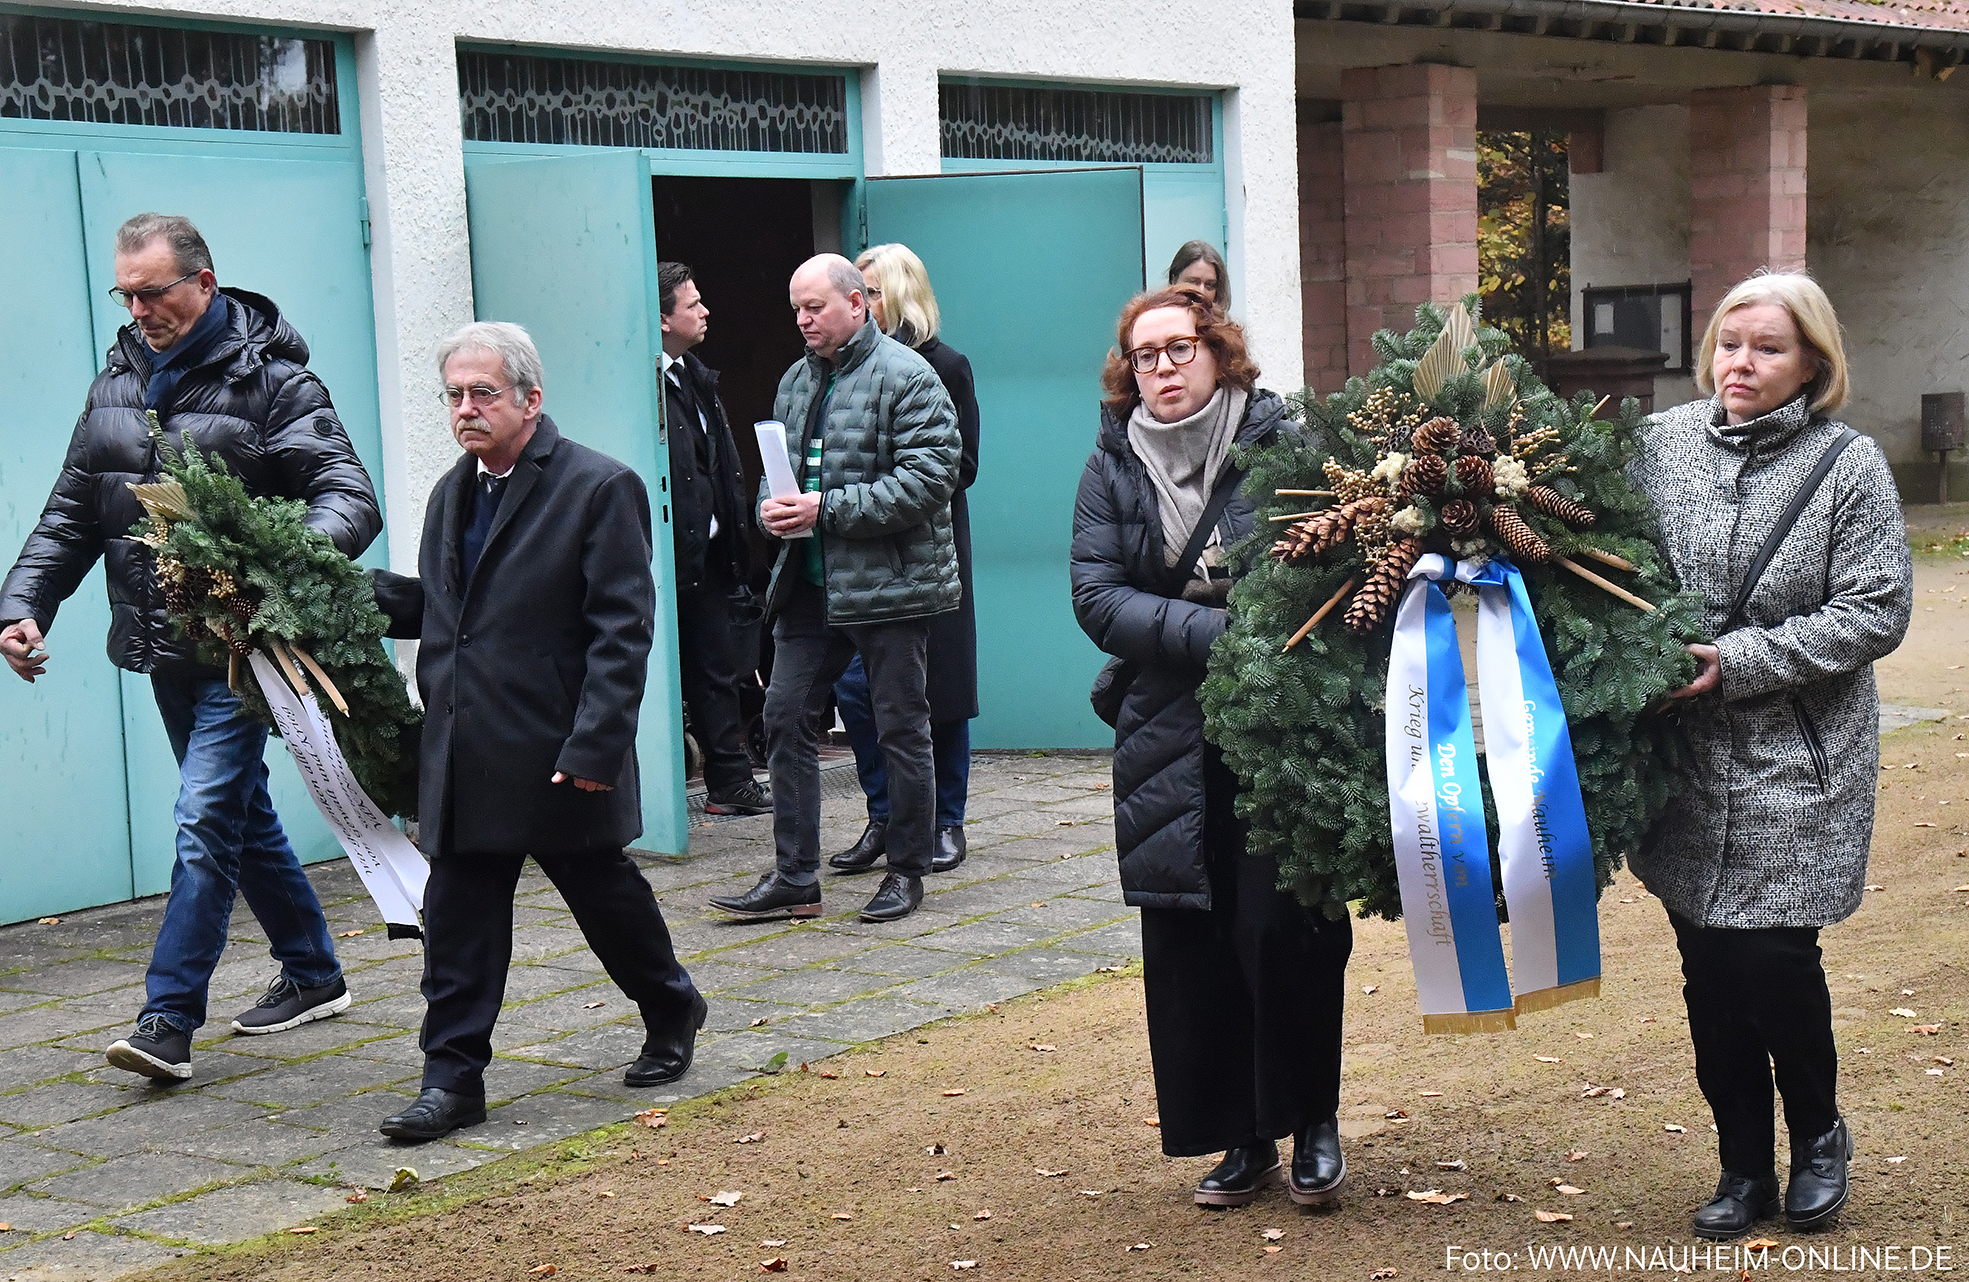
{"x": 900, "y": 299}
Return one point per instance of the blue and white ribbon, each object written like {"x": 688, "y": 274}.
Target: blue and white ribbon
{"x": 1442, "y": 852}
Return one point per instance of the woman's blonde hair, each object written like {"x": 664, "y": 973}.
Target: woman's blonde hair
{"x": 1817, "y": 324}
{"x": 907, "y": 301}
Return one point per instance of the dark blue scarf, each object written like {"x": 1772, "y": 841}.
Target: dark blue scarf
{"x": 169, "y": 366}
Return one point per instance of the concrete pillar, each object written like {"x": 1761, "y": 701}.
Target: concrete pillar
{"x": 1322, "y": 251}
{"x": 1410, "y": 142}
{"x": 1747, "y": 187}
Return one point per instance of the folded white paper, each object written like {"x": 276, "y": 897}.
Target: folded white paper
{"x": 780, "y": 482}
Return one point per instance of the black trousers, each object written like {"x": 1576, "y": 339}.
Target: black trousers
{"x": 468, "y": 932}
{"x": 709, "y": 672}
{"x": 1244, "y": 1001}
{"x": 1758, "y": 1001}
{"x": 809, "y": 656}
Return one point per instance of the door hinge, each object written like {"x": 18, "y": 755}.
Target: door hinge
{"x": 363, "y": 206}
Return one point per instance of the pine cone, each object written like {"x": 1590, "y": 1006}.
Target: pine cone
{"x": 1372, "y": 604}
{"x": 1473, "y": 474}
{"x": 1477, "y": 440}
{"x": 1426, "y": 474}
{"x": 1552, "y": 503}
{"x": 197, "y": 584}
{"x": 1437, "y": 436}
{"x": 240, "y": 608}
{"x": 1314, "y": 535}
{"x": 1458, "y": 516}
{"x": 1295, "y": 544}
{"x": 1525, "y": 544}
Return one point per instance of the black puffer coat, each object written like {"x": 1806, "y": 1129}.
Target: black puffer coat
{"x": 252, "y": 403}
{"x": 1158, "y": 738}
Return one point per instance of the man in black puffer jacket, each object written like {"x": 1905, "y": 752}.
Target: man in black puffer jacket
{"x": 226, "y": 374}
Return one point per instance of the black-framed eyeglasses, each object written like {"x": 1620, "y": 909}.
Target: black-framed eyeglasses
{"x": 1181, "y": 351}
{"x": 456, "y": 396}
{"x": 125, "y": 297}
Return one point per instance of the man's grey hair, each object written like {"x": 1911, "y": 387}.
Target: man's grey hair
{"x": 846, "y": 278}
{"x": 187, "y": 246}
{"x": 511, "y": 344}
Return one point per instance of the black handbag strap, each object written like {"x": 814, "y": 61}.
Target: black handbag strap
{"x": 1789, "y": 518}
{"x": 1220, "y": 498}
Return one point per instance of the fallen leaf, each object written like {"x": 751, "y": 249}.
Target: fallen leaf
{"x": 1902, "y": 1011}
{"x": 1371, "y": 989}
{"x": 357, "y": 1195}
{"x": 348, "y": 934}
{"x": 982, "y": 1215}
{"x": 1907, "y": 992}
{"x": 1454, "y": 1164}
{"x": 1924, "y": 1030}
{"x": 305, "y": 1228}
{"x": 1575, "y": 1155}
{"x": 1551, "y": 1217}
{"x": 1934, "y": 1072}
{"x": 1395, "y": 1115}
{"x": 775, "y": 1265}
{"x": 1584, "y": 1037}
{"x": 1436, "y": 1197}
{"x": 945, "y": 1175}
{"x": 758, "y": 1023}
{"x": 5, "y": 1227}
{"x": 1041, "y": 1047}
{"x": 594, "y": 1005}
{"x": 832, "y": 1077}
{"x": 1896, "y": 1160}
{"x": 1432, "y": 1094}
{"x": 1617, "y": 1093}
{"x": 1548, "y": 1059}
{"x": 518, "y": 1121}
{"x": 653, "y": 1117}
{"x": 935, "y": 1150}
{"x": 1109, "y": 970}
{"x": 1674, "y": 1128}
{"x": 1946, "y": 1061}
{"x": 1151, "y": 1121}
{"x": 708, "y": 1230}
{"x": 1509, "y": 1197}
{"x": 1874, "y": 886}
{"x": 773, "y": 1241}
{"x": 1379, "y": 1275}
{"x": 1924, "y": 825}
{"x": 70, "y": 1235}
{"x": 949, "y": 1094}
{"x": 1049, "y": 1174}
{"x": 1271, "y": 1235}
{"x": 611, "y": 1193}
{"x": 1273, "y": 1250}
{"x": 1089, "y": 1192}
{"x": 1647, "y": 1019}
{"x": 1759, "y": 1244}
{"x": 963, "y": 1264}
{"x": 543, "y": 1270}
{"x": 1594, "y": 1092}
{"x": 875, "y": 1072}
{"x": 404, "y": 1177}
{"x": 1570, "y": 1190}
{"x": 840, "y": 1215}
{"x": 1140, "y": 1246}
{"x": 754, "y": 1138}
{"x": 1063, "y": 823}
{"x": 723, "y": 1197}
{"x": 1623, "y": 1224}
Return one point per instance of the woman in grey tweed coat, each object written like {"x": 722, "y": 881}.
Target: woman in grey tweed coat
{"x": 1767, "y": 840}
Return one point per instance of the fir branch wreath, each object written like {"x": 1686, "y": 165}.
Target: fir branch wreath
{"x": 240, "y": 573}
{"x": 1450, "y": 445}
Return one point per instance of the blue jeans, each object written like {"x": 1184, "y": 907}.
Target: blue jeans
{"x": 950, "y": 750}
{"x": 229, "y": 842}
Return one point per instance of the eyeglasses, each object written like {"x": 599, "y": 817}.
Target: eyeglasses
{"x": 871, "y": 291}
{"x": 125, "y": 297}
{"x": 456, "y": 396}
{"x": 1181, "y": 351}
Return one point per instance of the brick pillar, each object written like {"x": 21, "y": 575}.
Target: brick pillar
{"x": 1747, "y": 187}
{"x": 1410, "y": 140}
{"x": 1322, "y": 252}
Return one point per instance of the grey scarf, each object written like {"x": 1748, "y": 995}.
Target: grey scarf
{"x": 1184, "y": 460}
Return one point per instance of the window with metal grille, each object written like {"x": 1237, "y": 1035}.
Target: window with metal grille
{"x": 509, "y": 98}
{"x": 1010, "y": 122}
{"x": 116, "y": 73}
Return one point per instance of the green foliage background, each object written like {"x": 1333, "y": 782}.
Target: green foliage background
{"x": 1304, "y": 729}
{"x": 310, "y": 594}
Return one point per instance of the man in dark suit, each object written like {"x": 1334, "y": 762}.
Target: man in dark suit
{"x": 533, "y": 603}
{"x": 713, "y": 547}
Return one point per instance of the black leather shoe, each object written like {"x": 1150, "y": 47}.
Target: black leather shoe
{"x": 950, "y": 850}
{"x": 747, "y": 798}
{"x": 1244, "y": 1173}
{"x": 436, "y": 1114}
{"x": 1319, "y": 1168}
{"x": 772, "y": 898}
{"x": 898, "y": 897}
{"x": 861, "y": 856}
{"x": 667, "y": 1055}
{"x": 1740, "y": 1201}
{"x": 1818, "y": 1179}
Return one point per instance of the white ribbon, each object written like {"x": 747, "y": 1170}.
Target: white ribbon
{"x": 392, "y": 870}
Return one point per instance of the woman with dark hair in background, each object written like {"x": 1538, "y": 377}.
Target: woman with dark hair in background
{"x": 1198, "y": 267}
{"x": 904, "y": 308}
{"x": 1245, "y": 985}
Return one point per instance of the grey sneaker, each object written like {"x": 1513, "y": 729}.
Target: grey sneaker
{"x": 286, "y": 1005}
{"x": 157, "y": 1049}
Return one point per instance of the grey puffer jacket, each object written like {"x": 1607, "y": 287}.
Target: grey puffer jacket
{"x": 888, "y": 467}
{"x": 1117, "y": 575}
{"x": 1775, "y": 811}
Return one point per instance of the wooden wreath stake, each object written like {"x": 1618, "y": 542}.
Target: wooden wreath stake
{"x": 1608, "y": 558}
{"x": 1295, "y": 516}
{"x": 1321, "y": 613}
{"x": 1599, "y": 582}
{"x": 314, "y": 670}
{"x": 1306, "y": 494}
{"x": 1601, "y": 405}
{"x": 294, "y": 677}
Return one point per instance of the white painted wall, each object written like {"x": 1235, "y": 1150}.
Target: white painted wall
{"x": 413, "y": 154}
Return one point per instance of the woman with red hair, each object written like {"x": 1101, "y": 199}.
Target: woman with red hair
{"x": 1245, "y": 985}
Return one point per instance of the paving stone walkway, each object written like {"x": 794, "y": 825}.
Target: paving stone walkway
{"x": 105, "y": 1175}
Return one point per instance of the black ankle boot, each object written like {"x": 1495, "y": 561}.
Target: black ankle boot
{"x": 1245, "y": 1172}
{"x": 1318, "y": 1166}
{"x": 1740, "y": 1201}
{"x": 861, "y": 856}
{"x": 1818, "y": 1179}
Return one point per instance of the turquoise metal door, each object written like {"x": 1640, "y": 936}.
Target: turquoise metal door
{"x": 567, "y": 248}
{"x": 61, "y": 739}
{"x": 1030, "y": 271}
{"x": 292, "y": 230}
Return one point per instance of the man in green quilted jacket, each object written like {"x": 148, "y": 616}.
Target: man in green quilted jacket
{"x": 866, "y": 557}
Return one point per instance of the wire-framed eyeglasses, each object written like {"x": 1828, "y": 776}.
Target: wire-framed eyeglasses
{"x": 479, "y": 392}
{"x": 125, "y": 298}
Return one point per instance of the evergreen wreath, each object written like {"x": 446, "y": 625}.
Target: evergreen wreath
{"x": 1450, "y": 445}
{"x": 241, "y": 573}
